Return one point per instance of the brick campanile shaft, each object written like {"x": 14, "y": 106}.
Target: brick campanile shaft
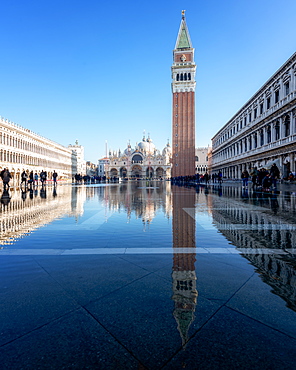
{"x": 183, "y": 89}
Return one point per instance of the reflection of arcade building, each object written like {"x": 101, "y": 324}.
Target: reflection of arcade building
{"x": 256, "y": 232}
{"x": 142, "y": 162}
{"x": 20, "y": 216}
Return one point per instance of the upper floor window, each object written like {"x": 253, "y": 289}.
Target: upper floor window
{"x": 287, "y": 88}
{"x": 277, "y": 131}
{"x": 268, "y": 134}
{"x": 276, "y": 96}
{"x": 196, "y": 158}
{"x": 287, "y": 126}
{"x": 268, "y": 103}
{"x": 255, "y": 113}
{"x": 261, "y": 138}
{"x": 261, "y": 108}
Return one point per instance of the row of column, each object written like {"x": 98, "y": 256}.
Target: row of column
{"x": 269, "y": 133}
{"x": 236, "y": 170}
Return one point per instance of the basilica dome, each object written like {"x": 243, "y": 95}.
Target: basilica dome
{"x": 128, "y": 150}
{"x": 167, "y": 150}
{"x": 146, "y": 146}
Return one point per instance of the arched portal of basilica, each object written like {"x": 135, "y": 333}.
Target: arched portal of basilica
{"x": 136, "y": 172}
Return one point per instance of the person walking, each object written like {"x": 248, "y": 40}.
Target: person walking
{"x": 5, "y": 176}
{"x": 43, "y": 176}
{"x": 254, "y": 175}
{"x": 54, "y": 177}
{"x": 266, "y": 182}
{"x": 274, "y": 175}
{"x": 31, "y": 179}
{"x": 36, "y": 179}
{"x": 220, "y": 178}
{"x": 24, "y": 177}
{"x": 245, "y": 178}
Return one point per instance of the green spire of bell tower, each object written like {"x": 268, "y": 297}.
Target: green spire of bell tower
{"x": 183, "y": 39}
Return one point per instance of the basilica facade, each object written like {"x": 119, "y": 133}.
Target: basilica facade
{"x": 144, "y": 161}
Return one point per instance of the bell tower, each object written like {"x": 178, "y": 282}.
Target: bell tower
{"x": 183, "y": 89}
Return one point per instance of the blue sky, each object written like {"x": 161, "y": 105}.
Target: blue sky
{"x": 97, "y": 70}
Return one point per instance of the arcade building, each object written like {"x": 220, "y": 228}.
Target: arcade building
{"x": 263, "y": 131}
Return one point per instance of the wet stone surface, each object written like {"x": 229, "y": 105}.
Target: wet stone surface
{"x": 145, "y": 275}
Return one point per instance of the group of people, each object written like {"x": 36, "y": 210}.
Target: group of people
{"x": 262, "y": 178}
{"x": 199, "y": 178}
{"x": 86, "y": 179}
{"x": 31, "y": 179}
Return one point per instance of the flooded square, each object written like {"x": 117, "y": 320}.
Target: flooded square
{"x": 148, "y": 275}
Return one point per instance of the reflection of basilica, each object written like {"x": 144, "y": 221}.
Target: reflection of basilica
{"x": 183, "y": 275}
{"x": 143, "y": 162}
{"x": 267, "y": 234}
{"x": 23, "y": 212}
{"x": 143, "y": 199}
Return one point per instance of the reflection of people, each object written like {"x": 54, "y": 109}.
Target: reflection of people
{"x": 24, "y": 195}
{"x": 5, "y": 176}
{"x": 5, "y": 198}
{"x": 245, "y": 193}
{"x": 274, "y": 204}
{"x": 42, "y": 192}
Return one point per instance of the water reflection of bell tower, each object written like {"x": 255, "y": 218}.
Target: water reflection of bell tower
{"x": 183, "y": 275}
{"x": 183, "y": 89}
